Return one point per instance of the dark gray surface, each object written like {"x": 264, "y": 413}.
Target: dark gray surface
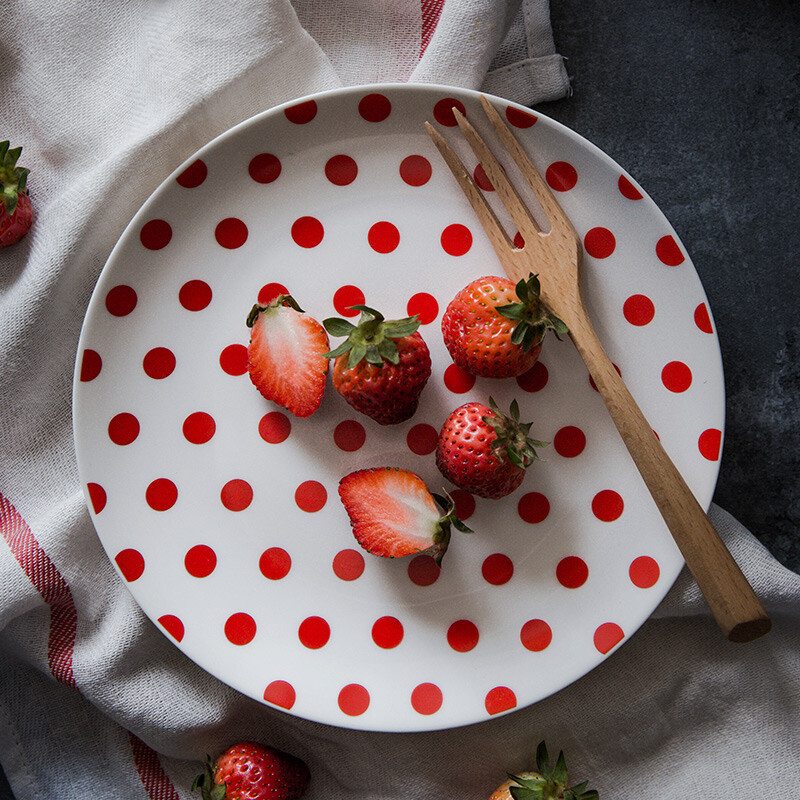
{"x": 700, "y": 101}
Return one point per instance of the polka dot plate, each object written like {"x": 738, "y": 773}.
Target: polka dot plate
{"x": 220, "y": 511}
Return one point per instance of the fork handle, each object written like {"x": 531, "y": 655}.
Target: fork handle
{"x": 737, "y": 609}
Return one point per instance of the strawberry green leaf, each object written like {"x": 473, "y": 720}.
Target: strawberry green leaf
{"x": 388, "y": 349}
{"x": 357, "y": 353}
{"x": 560, "y": 769}
{"x": 338, "y": 327}
{"x": 542, "y": 759}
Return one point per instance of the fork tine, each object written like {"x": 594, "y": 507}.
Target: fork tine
{"x": 491, "y": 224}
{"x": 535, "y": 180}
{"x": 508, "y": 195}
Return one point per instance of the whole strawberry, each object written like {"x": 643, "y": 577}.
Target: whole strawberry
{"x": 252, "y": 771}
{"x": 544, "y": 783}
{"x": 381, "y": 367}
{"x": 285, "y": 355}
{"x": 482, "y": 450}
{"x": 495, "y": 329}
{"x": 16, "y": 211}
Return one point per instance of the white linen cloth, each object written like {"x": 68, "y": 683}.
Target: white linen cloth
{"x": 109, "y": 97}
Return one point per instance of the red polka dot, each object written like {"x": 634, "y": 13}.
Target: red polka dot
{"x": 275, "y": 563}
{"x": 194, "y": 295}
{"x": 607, "y": 505}
{"x": 341, "y": 170}
{"x": 561, "y": 176}
{"x": 173, "y": 626}
{"x": 123, "y": 428}
{"x": 233, "y": 359}
{"x": 270, "y": 291}
{"x": 535, "y": 379}
{"x": 424, "y": 306}
{"x": 519, "y": 118}
{"x": 572, "y": 572}
{"x": 353, "y": 700}
{"x": 463, "y": 635}
{"x": 599, "y": 242}
{"x": 240, "y": 628}
{"x": 158, "y": 363}
{"x": 236, "y": 494}
{"x": 709, "y": 444}
{"x": 347, "y": 296}
{"x": 569, "y": 441}
{"x": 161, "y": 494}
{"x": 193, "y": 175}
{"x": 426, "y": 698}
{"x": 500, "y": 699}
{"x": 703, "y": 319}
{"x": 348, "y": 565}
{"x": 639, "y": 309}
{"x": 274, "y": 427}
{"x": 200, "y": 561}
{"x": 668, "y": 251}
{"x": 443, "y": 111}
{"x": 301, "y": 113}
{"x": 497, "y": 569}
{"x": 465, "y": 503}
{"x": 155, "y": 234}
{"x": 130, "y": 563}
{"x": 422, "y": 439}
{"x": 314, "y": 632}
{"x": 627, "y": 189}
{"x": 280, "y": 693}
{"x": 375, "y": 107}
{"x": 533, "y": 507}
{"x": 231, "y": 233}
{"x": 536, "y": 635}
{"x": 458, "y": 380}
{"x": 310, "y": 496}
{"x": 423, "y": 570}
{"x": 199, "y": 427}
{"x": 121, "y": 300}
{"x": 349, "y": 435}
{"x": 415, "y": 170}
{"x": 264, "y": 168}
{"x": 644, "y": 572}
{"x": 607, "y": 636}
{"x": 91, "y": 364}
{"x": 383, "y": 237}
{"x": 482, "y": 179}
{"x": 97, "y": 496}
{"x": 387, "y": 632}
{"x": 676, "y": 376}
{"x": 456, "y": 239}
{"x": 307, "y": 231}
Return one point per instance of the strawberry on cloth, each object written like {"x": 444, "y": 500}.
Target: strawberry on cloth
{"x": 16, "y": 210}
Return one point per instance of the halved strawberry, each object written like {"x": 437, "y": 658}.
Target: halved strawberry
{"x": 285, "y": 355}
{"x": 393, "y": 514}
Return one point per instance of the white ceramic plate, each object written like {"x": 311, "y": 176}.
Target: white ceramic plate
{"x": 222, "y": 515}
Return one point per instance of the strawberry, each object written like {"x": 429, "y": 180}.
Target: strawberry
{"x": 393, "y": 514}
{"x": 16, "y": 211}
{"x": 494, "y": 329}
{"x": 381, "y": 367}
{"x": 482, "y": 450}
{"x": 545, "y": 783}
{"x": 285, "y": 355}
{"x": 252, "y": 771}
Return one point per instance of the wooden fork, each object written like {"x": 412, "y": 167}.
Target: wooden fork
{"x": 556, "y": 256}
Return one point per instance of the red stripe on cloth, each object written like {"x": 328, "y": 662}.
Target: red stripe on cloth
{"x": 431, "y": 11}
{"x": 155, "y": 781}
{"x": 50, "y": 584}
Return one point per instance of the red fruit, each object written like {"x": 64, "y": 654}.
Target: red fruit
{"x": 285, "y": 356}
{"x": 16, "y": 211}
{"x": 382, "y": 366}
{"x": 252, "y": 771}
{"x": 393, "y": 514}
{"x": 495, "y": 329}
{"x": 482, "y": 450}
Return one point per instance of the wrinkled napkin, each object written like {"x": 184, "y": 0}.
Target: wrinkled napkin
{"x": 107, "y": 98}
